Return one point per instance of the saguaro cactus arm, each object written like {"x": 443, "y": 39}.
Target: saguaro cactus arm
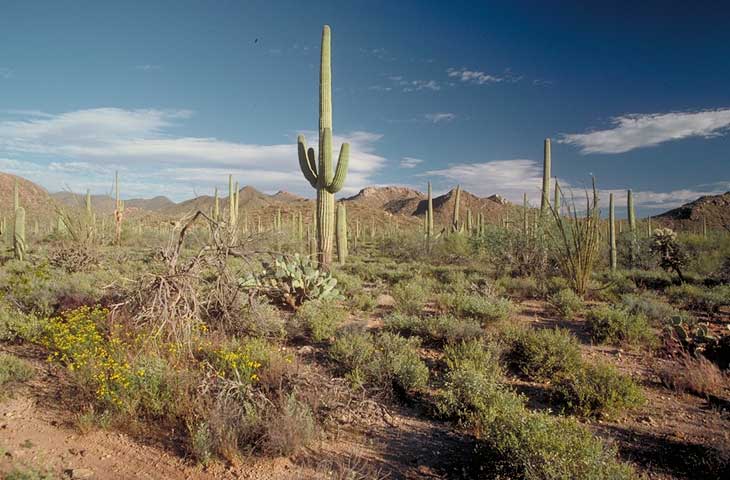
{"x": 307, "y": 161}
{"x": 341, "y": 171}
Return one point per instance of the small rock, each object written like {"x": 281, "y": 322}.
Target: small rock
{"x": 646, "y": 419}
{"x": 305, "y": 350}
{"x": 75, "y": 473}
{"x": 385, "y": 300}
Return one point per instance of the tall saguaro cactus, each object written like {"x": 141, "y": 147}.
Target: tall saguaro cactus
{"x": 216, "y": 206}
{"x": 19, "y": 234}
{"x": 556, "y": 199}
{"x": 455, "y": 221}
{"x": 231, "y": 203}
{"x": 612, "y": 231}
{"x": 633, "y": 246}
{"x": 320, "y": 174}
{"x": 545, "y": 202}
{"x": 342, "y": 250}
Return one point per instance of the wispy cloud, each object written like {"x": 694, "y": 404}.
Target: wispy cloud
{"x": 481, "y": 78}
{"x": 86, "y": 144}
{"x": 645, "y": 130}
{"x": 379, "y": 53}
{"x": 5, "y": 73}
{"x": 410, "y": 162}
{"x": 440, "y": 117}
{"x": 148, "y": 67}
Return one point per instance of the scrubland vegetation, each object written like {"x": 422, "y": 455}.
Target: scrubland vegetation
{"x": 535, "y": 340}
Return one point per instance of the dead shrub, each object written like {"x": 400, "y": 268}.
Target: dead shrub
{"x": 695, "y": 375}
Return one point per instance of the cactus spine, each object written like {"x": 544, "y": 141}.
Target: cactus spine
{"x": 321, "y": 175}
{"x": 19, "y": 234}
{"x": 545, "y": 202}
{"x": 612, "y": 232}
{"x": 341, "y": 233}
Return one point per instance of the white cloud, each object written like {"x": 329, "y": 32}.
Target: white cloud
{"x": 644, "y": 130}
{"x": 481, "y": 78}
{"x": 440, "y": 117}
{"x": 410, "y": 162}
{"x": 88, "y": 145}
{"x": 418, "y": 85}
{"x": 5, "y": 73}
{"x": 509, "y": 178}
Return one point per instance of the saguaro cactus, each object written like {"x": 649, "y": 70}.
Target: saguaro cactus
{"x": 320, "y": 174}
{"x": 341, "y": 233}
{"x": 118, "y": 211}
{"x": 545, "y": 202}
{"x": 612, "y": 232}
{"x": 556, "y": 199}
{"x": 525, "y": 224}
{"x": 429, "y": 214}
{"x": 216, "y": 206}
{"x": 19, "y": 234}
{"x": 16, "y": 195}
{"x": 632, "y": 227}
{"x": 231, "y": 203}
{"x": 455, "y": 219}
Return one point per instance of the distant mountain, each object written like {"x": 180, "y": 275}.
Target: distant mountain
{"x": 286, "y": 197}
{"x": 714, "y": 208}
{"x": 392, "y": 199}
{"x": 33, "y": 198}
{"x": 107, "y": 204}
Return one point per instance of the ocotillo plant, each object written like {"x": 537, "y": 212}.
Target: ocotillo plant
{"x": 612, "y": 232}
{"x": 341, "y": 233}
{"x": 455, "y": 219}
{"x": 19, "y": 234}
{"x": 118, "y": 211}
{"x": 321, "y": 175}
{"x": 545, "y": 202}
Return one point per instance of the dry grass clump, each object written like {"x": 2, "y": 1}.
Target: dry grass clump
{"x": 696, "y": 375}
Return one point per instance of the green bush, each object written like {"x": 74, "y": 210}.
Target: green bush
{"x": 546, "y": 354}
{"x": 13, "y": 370}
{"x": 617, "y": 326}
{"x": 386, "y": 360}
{"x": 657, "y": 311}
{"x": 483, "y": 308}
{"x": 566, "y": 303}
{"x": 17, "y": 326}
{"x": 438, "y": 328}
{"x": 410, "y": 296}
{"x": 698, "y": 298}
{"x": 321, "y": 317}
{"x": 527, "y": 445}
{"x": 597, "y": 390}
{"x": 520, "y": 287}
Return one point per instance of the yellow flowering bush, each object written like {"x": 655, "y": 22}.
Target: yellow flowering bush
{"x": 75, "y": 340}
{"x": 236, "y": 364}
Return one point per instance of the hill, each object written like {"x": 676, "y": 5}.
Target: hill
{"x": 34, "y": 198}
{"x": 714, "y": 208}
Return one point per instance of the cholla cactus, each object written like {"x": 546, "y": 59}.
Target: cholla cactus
{"x": 671, "y": 256}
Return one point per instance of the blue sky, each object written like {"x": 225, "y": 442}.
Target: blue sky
{"x": 177, "y": 94}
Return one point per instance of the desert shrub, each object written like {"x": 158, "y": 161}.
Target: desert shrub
{"x": 614, "y": 325}
{"x": 696, "y": 375}
{"x": 545, "y": 354}
{"x": 155, "y": 390}
{"x": 99, "y": 364}
{"x": 451, "y": 248}
{"x": 527, "y": 445}
{"x": 290, "y": 428}
{"x": 614, "y": 284}
{"x": 657, "y": 311}
{"x": 436, "y": 328}
{"x": 483, "y": 308}
{"x": 566, "y": 303}
{"x": 17, "y": 326}
{"x": 363, "y": 301}
{"x": 13, "y": 370}
{"x": 410, "y": 296}
{"x": 653, "y": 279}
{"x": 698, "y": 298}
{"x": 519, "y": 287}
{"x": 386, "y": 360}
{"x": 347, "y": 283}
{"x": 597, "y": 390}
{"x": 261, "y": 319}
{"x": 321, "y": 317}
